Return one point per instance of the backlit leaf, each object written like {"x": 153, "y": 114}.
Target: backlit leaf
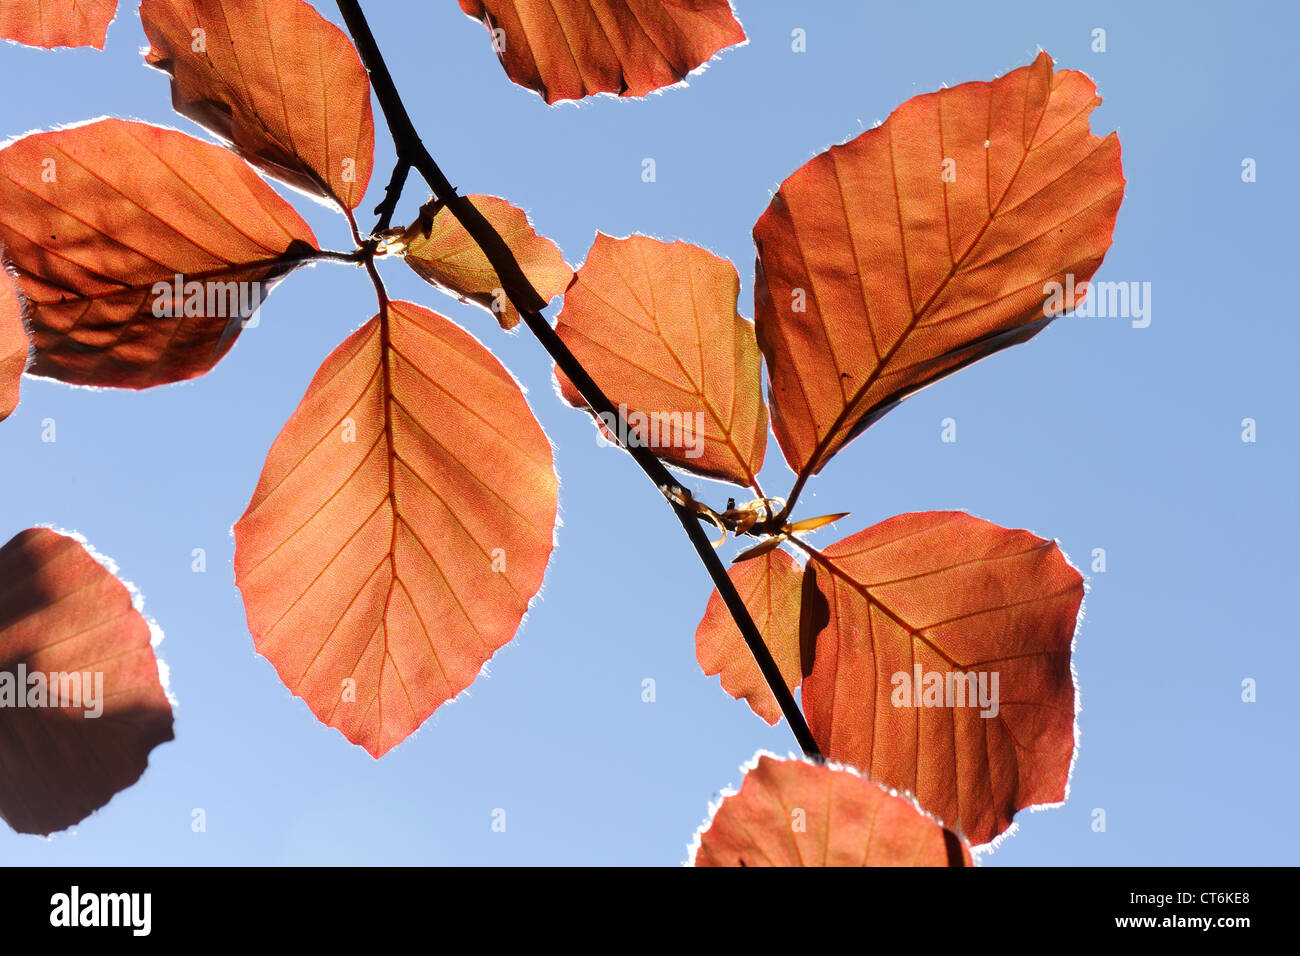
{"x": 942, "y": 594}
{"x": 770, "y": 586}
{"x": 56, "y": 23}
{"x": 451, "y": 260}
{"x": 274, "y": 79}
{"x": 101, "y": 222}
{"x": 655, "y": 324}
{"x": 401, "y": 526}
{"x": 797, "y": 813}
{"x": 73, "y": 742}
{"x": 568, "y": 49}
{"x": 926, "y": 244}
{"x": 14, "y": 346}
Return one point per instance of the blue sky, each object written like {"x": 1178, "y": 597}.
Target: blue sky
{"x": 1096, "y": 433}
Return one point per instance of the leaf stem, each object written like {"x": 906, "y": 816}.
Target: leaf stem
{"x": 412, "y": 153}
{"x": 356, "y": 256}
{"x": 793, "y": 496}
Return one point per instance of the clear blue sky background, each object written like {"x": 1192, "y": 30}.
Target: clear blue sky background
{"x": 1096, "y": 433}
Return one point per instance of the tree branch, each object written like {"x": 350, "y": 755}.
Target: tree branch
{"x": 411, "y": 151}
{"x": 392, "y": 193}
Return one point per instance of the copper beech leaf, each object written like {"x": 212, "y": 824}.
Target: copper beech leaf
{"x": 944, "y": 667}
{"x": 655, "y": 324}
{"x": 568, "y": 49}
{"x": 448, "y": 258}
{"x": 70, "y": 741}
{"x": 926, "y": 244}
{"x": 274, "y": 79}
{"x": 140, "y": 251}
{"x": 14, "y": 346}
{"x": 400, "y": 528}
{"x": 57, "y": 23}
{"x": 798, "y": 813}
{"x": 770, "y": 586}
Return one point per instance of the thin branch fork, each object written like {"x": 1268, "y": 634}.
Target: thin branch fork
{"x": 412, "y": 154}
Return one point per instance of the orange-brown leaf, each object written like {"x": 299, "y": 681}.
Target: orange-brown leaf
{"x": 655, "y": 324}
{"x": 943, "y": 593}
{"x": 402, "y": 524}
{"x": 274, "y": 79}
{"x": 770, "y": 585}
{"x": 877, "y": 275}
{"x": 95, "y": 220}
{"x": 568, "y": 49}
{"x": 63, "y": 613}
{"x": 451, "y": 260}
{"x": 797, "y": 813}
{"x": 14, "y": 346}
{"x": 56, "y": 23}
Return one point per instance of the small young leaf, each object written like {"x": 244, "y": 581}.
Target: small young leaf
{"x": 812, "y": 524}
{"x": 274, "y": 79}
{"x": 770, "y": 586}
{"x": 140, "y": 251}
{"x": 402, "y": 525}
{"x": 14, "y": 346}
{"x": 920, "y": 606}
{"x": 924, "y": 245}
{"x": 69, "y": 742}
{"x": 57, "y": 23}
{"x": 655, "y": 324}
{"x": 762, "y": 548}
{"x": 796, "y": 813}
{"x": 568, "y": 49}
{"x": 448, "y": 258}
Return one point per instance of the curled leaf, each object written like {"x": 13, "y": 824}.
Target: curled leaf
{"x": 443, "y": 254}
{"x": 926, "y": 244}
{"x": 141, "y": 272}
{"x": 81, "y": 701}
{"x": 944, "y": 666}
{"x": 57, "y": 23}
{"x": 274, "y": 79}
{"x": 796, "y": 813}
{"x": 400, "y": 528}
{"x": 568, "y": 49}
{"x": 655, "y": 324}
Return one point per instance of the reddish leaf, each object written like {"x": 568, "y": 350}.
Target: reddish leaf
{"x": 401, "y": 526}
{"x": 447, "y": 257}
{"x": 55, "y": 23}
{"x": 14, "y": 346}
{"x": 948, "y": 594}
{"x": 568, "y": 49}
{"x": 68, "y": 747}
{"x": 274, "y": 79}
{"x": 795, "y": 813}
{"x": 876, "y": 276}
{"x": 95, "y": 217}
{"x": 655, "y": 323}
{"x": 770, "y": 586}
